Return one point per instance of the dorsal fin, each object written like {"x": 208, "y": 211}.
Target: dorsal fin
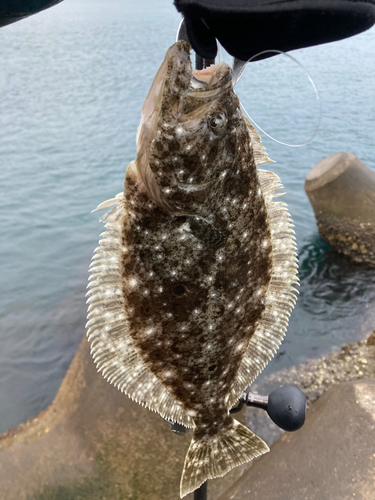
{"x": 260, "y": 155}
{"x": 280, "y": 297}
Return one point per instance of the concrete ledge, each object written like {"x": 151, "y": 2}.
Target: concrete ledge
{"x": 331, "y": 458}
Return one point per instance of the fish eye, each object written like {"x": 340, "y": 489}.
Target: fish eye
{"x": 218, "y": 122}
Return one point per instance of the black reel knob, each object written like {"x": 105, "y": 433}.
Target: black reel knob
{"x": 287, "y": 408}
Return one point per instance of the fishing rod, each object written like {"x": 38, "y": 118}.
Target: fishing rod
{"x": 285, "y": 406}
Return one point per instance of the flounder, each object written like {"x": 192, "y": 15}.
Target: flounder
{"x": 192, "y": 283}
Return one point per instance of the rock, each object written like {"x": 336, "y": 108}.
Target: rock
{"x": 94, "y": 443}
{"x": 331, "y": 457}
{"x": 341, "y": 190}
{"x": 371, "y": 339}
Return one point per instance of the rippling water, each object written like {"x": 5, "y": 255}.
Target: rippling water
{"x": 72, "y": 83}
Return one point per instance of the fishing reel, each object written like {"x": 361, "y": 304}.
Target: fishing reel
{"x": 285, "y": 406}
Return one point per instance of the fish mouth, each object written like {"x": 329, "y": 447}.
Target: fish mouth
{"x": 174, "y": 80}
{"x": 215, "y": 76}
{"x": 206, "y": 82}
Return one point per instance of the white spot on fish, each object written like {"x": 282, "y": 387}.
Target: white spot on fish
{"x": 184, "y": 227}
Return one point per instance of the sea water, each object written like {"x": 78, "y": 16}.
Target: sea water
{"x": 72, "y": 83}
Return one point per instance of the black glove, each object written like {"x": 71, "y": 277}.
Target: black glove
{"x": 14, "y": 10}
{"x": 246, "y": 27}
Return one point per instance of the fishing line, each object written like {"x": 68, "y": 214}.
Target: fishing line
{"x": 238, "y": 70}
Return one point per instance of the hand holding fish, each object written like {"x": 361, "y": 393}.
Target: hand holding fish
{"x": 191, "y": 285}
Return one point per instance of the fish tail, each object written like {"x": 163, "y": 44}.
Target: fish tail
{"x": 214, "y": 456}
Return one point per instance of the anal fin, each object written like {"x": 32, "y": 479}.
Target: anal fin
{"x": 112, "y": 346}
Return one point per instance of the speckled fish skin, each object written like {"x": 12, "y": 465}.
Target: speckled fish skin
{"x": 186, "y": 303}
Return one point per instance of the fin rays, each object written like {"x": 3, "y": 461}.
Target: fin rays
{"x": 280, "y": 297}
{"x": 108, "y": 331}
{"x": 214, "y": 456}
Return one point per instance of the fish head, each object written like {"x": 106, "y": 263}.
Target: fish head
{"x": 188, "y": 134}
